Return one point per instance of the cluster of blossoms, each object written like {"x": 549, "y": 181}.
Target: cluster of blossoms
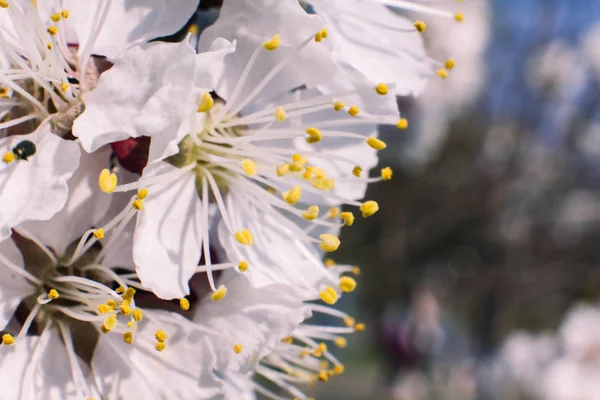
{"x": 165, "y": 207}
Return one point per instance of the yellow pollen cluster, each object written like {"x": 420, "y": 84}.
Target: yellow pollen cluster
{"x": 219, "y": 294}
{"x": 244, "y": 237}
{"x": 137, "y": 315}
{"x": 356, "y": 270}
{"x": 99, "y": 233}
{"x": 243, "y": 266}
{"x": 128, "y": 337}
{"x": 322, "y": 34}
{"x": 138, "y": 203}
{"x": 402, "y": 124}
{"x": 314, "y": 135}
{"x": 347, "y": 217}
{"x": 9, "y": 157}
{"x": 386, "y": 173}
{"x": 64, "y": 86}
{"x": 109, "y": 323}
{"x": 52, "y": 30}
{"x": 442, "y": 73}
{"x": 449, "y": 64}
{"x": 280, "y": 114}
{"x": 375, "y": 143}
{"x": 459, "y": 17}
{"x": 353, "y": 111}
{"x": 340, "y": 342}
{"x": 273, "y": 43}
{"x": 357, "y": 171}
{"x": 329, "y": 295}
{"x": 206, "y": 102}
{"x": 347, "y": 284}
{"x": 237, "y": 348}
{"x": 107, "y": 181}
{"x": 329, "y": 262}
{"x": 338, "y": 106}
{"x": 3, "y": 4}
{"x": 53, "y": 294}
{"x": 359, "y": 327}
{"x": 283, "y": 169}
{"x": 249, "y": 167}
{"x": 7, "y": 338}
{"x": 382, "y": 89}
{"x": 369, "y": 208}
{"x": 420, "y": 26}
{"x": 329, "y": 242}
{"x": 293, "y": 195}
{"x": 334, "y": 212}
{"x": 160, "y": 337}
{"x": 184, "y": 304}
{"x": 311, "y": 213}
{"x": 65, "y": 14}
{"x": 349, "y": 322}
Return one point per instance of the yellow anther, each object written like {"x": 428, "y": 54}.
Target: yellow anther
{"x": 449, "y": 64}
{"x": 107, "y": 181}
{"x": 124, "y": 308}
{"x": 311, "y": 213}
{"x": 160, "y": 346}
{"x": 420, "y": 26}
{"x": 273, "y": 43}
{"x": 323, "y": 347}
{"x": 442, "y": 73}
{"x": 4, "y": 93}
{"x": 52, "y": 30}
{"x": 128, "y": 337}
{"x": 237, "y": 348}
{"x": 249, "y": 167}
{"x": 160, "y": 336}
{"x": 120, "y": 289}
{"x": 65, "y": 14}
{"x": 137, "y": 204}
{"x": 9, "y": 157}
{"x": 184, "y": 304}
{"x": 324, "y": 184}
{"x": 307, "y": 173}
{"x": 353, "y": 111}
{"x": 329, "y": 295}
{"x": 99, "y": 233}
{"x": 347, "y": 217}
{"x": 194, "y": 29}
{"x": 338, "y": 369}
{"x": 287, "y": 340}
{"x": 137, "y": 314}
{"x": 386, "y": 173}
{"x": 314, "y": 135}
{"x": 322, "y": 34}
{"x": 142, "y": 194}
{"x": 299, "y": 159}
{"x": 304, "y": 353}
{"x": 56, "y": 17}
{"x": 349, "y": 322}
{"x": 49, "y": 46}
{"x": 375, "y": 143}
{"x": 128, "y": 295}
{"x": 459, "y": 17}
{"x": 369, "y": 208}
{"x": 329, "y": 262}
{"x": 206, "y": 102}
{"x": 317, "y": 352}
{"x": 341, "y": 342}
{"x": 130, "y": 324}
{"x": 64, "y": 86}
{"x": 53, "y": 294}
{"x": 112, "y": 304}
{"x": 293, "y": 195}
{"x": 110, "y": 323}
{"x": 243, "y": 266}
{"x": 283, "y": 169}
{"x": 338, "y": 106}
{"x": 402, "y": 124}
{"x": 7, "y": 338}
{"x": 347, "y": 284}
{"x": 104, "y": 308}
{"x": 356, "y": 270}
{"x": 280, "y": 114}
{"x": 318, "y": 172}
{"x": 382, "y": 89}
{"x": 357, "y": 171}
{"x": 244, "y": 237}
{"x": 334, "y": 212}
{"x": 323, "y": 376}
{"x": 220, "y": 293}
{"x": 329, "y": 242}
{"x": 359, "y": 327}
{"x": 3, "y": 3}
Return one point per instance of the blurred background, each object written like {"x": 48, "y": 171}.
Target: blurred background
{"x": 480, "y": 275}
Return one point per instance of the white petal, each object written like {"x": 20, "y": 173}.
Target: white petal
{"x": 168, "y": 235}
{"x": 251, "y": 25}
{"x": 382, "y": 45}
{"x": 210, "y": 64}
{"x": 145, "y": 93}
{"x": 37, "y": 367}
{"x": 36, "y": 189}
{"x": 13, "y": 287}
{"x": 128, "y": 22}
{"x": 184, "y": 370}
{"x": 86, "y": 206}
